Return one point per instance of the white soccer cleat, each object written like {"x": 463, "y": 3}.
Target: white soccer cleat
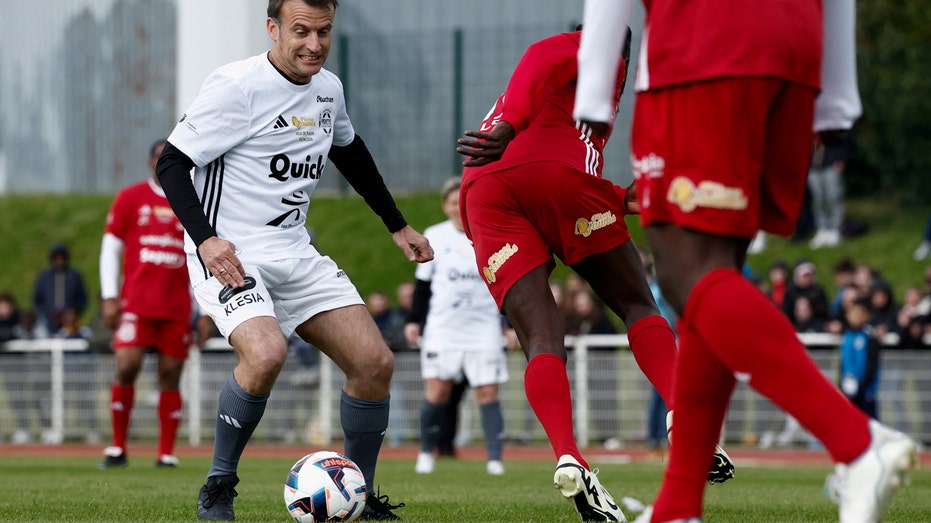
{"x": 425, "y": 463}
{"x": 580, "y": 485}
{"x": 494, "y": 468}
{"x": 648, "y": 514}
{"x": 864, "y": 487}
{"x": 722, "y": 468}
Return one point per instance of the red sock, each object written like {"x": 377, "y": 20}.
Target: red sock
{"x": 121, "y": 407}
{"x": 756, "y": 341}
{"x": 653, "y": 345}
{"x": 169, "y": 417}
{"x": 547, "y": 387}
{"x": 703, "y": 389}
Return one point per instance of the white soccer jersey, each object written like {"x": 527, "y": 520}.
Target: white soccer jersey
{"x": 462, "y": 313}
{"x": 260, "y": 143}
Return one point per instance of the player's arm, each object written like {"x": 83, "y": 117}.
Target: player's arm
{"x": 356, "y": 164}
{"x": 219, "y": 256}
{"x": 417, "y": 316}
{"x": 838, "y": 105}
{"x": 599, "y": 60}
{"x": 545, "y": 66}
{"x": 111, "y": 252}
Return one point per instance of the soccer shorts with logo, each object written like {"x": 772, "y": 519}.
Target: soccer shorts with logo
{"x": 519, "y": 218}
{"x": 727, "y": 156}
{"x": 480, "y": 366}
{"x": 292, "y": 290}
{"x": 171, "y": 337}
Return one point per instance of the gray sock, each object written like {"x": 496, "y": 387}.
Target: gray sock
{"x": 238, "y": 414}
{"x": 431, "y": 416}
{"x": 493, "y": 427}
{"x": 364, "y": 425}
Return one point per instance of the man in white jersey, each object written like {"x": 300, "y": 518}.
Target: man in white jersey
{"x": 462, "y": 335}
{"x": 258, "y": 135}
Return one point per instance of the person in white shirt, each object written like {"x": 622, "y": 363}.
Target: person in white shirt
{"x": 258, "y": 136}
{"x": 462, "y": 335}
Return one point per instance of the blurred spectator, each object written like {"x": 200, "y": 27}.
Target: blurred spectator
{"x": 58, "y": 288}
{"x": 843, "y": 276}
{"x": 883, "y": 310}
{"x": 9, "y": 317}
{"x": 805, "y": 283}
{"x": 838, "y": 323}
{"x": 859, "y": 359}
{"x": 778, "y": 282}
{"x": 910, "y": 321}
{"x": 805, "y": 320}
{"x": 924, "y": 248}
{"x": 70, "y": 326}
{"x": 865, "y": 277}
{"x": 826, "y": 183}
{"x": 389, "y": 320}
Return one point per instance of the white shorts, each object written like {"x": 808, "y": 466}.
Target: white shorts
{"x": 292, "y": 290}
{"x": 480, "y": 367}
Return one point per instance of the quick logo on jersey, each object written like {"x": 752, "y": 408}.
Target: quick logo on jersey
{"x": 302, "y": 121}
{"x": 688, "y": 196}
{"x": 227, "y": 292}
{"x": 585, "y": 227}
{"x": 282, "y": 167}
{"x": 280, "y": 123}
{"x": 496, "y": 260}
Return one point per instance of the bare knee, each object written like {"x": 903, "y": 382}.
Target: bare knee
{"x": 126, "y": 373}
{"x": 369, "y": 377}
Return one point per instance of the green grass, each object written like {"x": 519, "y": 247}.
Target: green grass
{"x": 72, "y": 489}
{"x": 348, "y": 231}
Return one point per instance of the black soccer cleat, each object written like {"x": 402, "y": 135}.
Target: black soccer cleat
{"x": 215, "y": 501}
{"x": 114, "y": 458}
{"x": 377, "y": 508}
{"x": 722, "y": 468}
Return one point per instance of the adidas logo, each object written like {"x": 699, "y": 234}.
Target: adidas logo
{"x": 280, "y": 122}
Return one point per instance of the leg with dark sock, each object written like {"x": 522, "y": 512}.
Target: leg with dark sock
{"x": 238, "y": 414}
{"x": 364, "y": 425}
{"x": 431, "y": 417}
{"x": 493, "y": 429}
{"x": 547, "y": 387}
{"x": 703, "y": 388}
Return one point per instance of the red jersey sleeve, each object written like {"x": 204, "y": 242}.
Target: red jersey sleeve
{"x": 546, "y": 66}
{"x": 117, "y": 222}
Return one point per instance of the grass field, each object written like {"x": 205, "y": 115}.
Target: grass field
{"x": 72, "y": 489}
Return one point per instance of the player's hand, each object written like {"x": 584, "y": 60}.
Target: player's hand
{"x": 412, "y": 334}
{"x": 415, "y": 246}
{"x": 110, "y": 311}
{"x": 486, "y": 147}
{"x": 631, "y": 202}
{"x": 219, "y": 256}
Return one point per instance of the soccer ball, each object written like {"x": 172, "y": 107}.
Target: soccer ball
{"x": 324, "y": 486}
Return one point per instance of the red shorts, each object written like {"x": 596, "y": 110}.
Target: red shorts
{"x": 726, "y": 157}
{"x": 170, "y": 337}
{"x": 519, "y": 218}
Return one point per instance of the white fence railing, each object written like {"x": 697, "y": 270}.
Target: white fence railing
{"x": 60, "y": 389}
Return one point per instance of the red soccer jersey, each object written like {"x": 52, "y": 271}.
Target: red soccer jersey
{"x": 701, "y": 39}
{"x": 538, "y": 102}
{"x": 155, "y": 277}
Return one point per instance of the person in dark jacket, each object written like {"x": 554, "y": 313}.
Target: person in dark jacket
{"x": 58, "y": 288}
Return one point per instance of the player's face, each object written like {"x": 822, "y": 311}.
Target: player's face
{"x": 302, "y": 39}
{"x": 451, "y": 209}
